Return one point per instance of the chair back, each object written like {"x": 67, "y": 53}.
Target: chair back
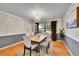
{"x": 27, "y": 41}
{"x": 32, "y": 34}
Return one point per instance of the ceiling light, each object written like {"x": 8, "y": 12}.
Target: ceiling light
{"x": 37, "y": 16}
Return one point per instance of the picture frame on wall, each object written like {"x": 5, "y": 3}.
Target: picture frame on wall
{"x": 72, "y": 23}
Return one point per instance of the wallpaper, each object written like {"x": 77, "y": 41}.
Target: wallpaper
{"x": 12, "y": 24}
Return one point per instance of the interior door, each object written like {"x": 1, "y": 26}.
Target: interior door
{"x": 53, "y": 30}
{"x": 36, "y": 28}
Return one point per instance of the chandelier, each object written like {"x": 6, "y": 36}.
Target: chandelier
{"x": 37, "y": 16}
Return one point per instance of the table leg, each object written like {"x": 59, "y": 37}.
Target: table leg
{"x": 38, "y": 48}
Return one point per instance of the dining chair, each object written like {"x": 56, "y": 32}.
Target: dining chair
{"x": 28, "y": 45}
{"x": 46, "y": 43}
{"x": 32, "y": 33}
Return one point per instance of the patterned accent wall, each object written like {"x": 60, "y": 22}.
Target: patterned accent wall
{"x": 10, "y": 25}
{"x": 13, "y": 24}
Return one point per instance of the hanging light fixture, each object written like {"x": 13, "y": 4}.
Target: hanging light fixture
{"x": 37, "y": 16}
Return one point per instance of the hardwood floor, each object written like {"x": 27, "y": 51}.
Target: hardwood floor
{"x": 58, "y": 49}
{"x": 12, "y": 51}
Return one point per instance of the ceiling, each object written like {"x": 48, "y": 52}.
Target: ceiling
{"x": 26, "y": 10}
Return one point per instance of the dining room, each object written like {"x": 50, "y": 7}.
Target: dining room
{"x": 32, "y": 29}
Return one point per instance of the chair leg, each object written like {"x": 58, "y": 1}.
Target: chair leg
{"x": 41, "y": 47}
{"x": 30, "y": 51}
{"x": 46, "y": 49}
{"x": 36, "y": 49}
{"x": 48, "y": 44}
{"x": 24, "y": 51}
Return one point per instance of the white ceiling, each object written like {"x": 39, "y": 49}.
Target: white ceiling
{"x": 26, "y": 10}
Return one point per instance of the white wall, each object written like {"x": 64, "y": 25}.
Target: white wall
{"x": 71, "y": 14}
{"x": 10, "y": 24}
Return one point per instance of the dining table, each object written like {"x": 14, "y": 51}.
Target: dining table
{"x": 38, "y": 39}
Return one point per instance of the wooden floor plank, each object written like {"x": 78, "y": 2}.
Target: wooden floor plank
{"x": 11, "y": 51}
{"x": 58, "y": 49}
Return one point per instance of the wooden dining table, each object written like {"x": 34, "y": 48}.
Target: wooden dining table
{"x": 38, "y": 40}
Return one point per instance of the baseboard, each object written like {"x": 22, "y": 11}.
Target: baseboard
{"x": 68, "y": 49}
{"x": 11, "y": 45}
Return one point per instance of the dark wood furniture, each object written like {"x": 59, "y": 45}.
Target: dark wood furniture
{"x": 30, "y": 49}
{"x": 53, "y": 30}
{"x": 37, "y": 40}
{"x": 28, "y": 45}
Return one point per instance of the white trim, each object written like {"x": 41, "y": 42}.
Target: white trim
{"x": 8, "y": 34}
{"x": 11, "y": 45}
{"x": 68, "y": 49}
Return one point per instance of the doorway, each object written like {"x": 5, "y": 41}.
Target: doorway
{"x": 53, "y": 30}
